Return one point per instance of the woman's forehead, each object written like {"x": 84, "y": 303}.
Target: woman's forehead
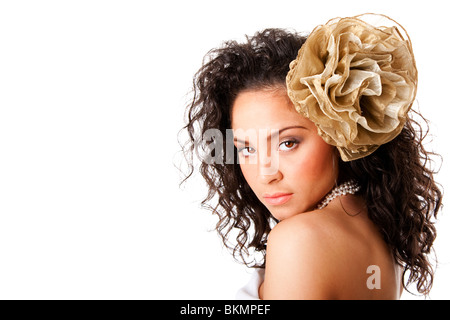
{"x": 265, "y": 109}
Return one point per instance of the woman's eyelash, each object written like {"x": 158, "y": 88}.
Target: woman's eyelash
{"x": 293, "y": 141}
{"x": 242, "y": 148}
{"x": 248, "y": 148}
{"x": 290, "y": 140}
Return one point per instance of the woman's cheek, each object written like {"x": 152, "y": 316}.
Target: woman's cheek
{"x": 249, "y": 172}
{"x": 315, "y": 160}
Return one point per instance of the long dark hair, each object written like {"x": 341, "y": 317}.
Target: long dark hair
{"x": 398, "y": 187}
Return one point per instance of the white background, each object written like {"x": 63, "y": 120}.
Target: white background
{"x": 92, "y": 95}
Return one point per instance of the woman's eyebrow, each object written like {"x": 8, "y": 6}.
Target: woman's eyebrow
{"x": 286, "y": 128}
{"x": 274, "y": 133}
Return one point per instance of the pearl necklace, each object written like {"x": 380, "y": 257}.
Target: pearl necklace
{"x": 349, "y": 187}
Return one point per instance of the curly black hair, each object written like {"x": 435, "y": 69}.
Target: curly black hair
{"x": 396, "y": 182}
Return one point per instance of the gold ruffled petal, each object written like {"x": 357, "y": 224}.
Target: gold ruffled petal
{"x": 356, "y": 82}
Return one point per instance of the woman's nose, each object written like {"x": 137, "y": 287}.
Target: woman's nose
{"x": 268, "y": 169}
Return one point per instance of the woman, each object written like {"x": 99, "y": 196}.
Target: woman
{"x": 329, "y": 179}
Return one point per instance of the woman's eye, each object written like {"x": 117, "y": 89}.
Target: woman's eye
{"x": 288, "y": 145}
{"x": 247, "y": 151}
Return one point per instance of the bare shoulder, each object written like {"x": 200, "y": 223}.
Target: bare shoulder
{"x": 303, "y": 258}
{"x": 310, "y": 231}
{"x": 310, "y": 222}
{"x": 325, "y": 255}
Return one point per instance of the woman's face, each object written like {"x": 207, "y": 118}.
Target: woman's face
{"x": 287, "y": 164}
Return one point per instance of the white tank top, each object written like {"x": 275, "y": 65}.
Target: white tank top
{"x": 250, "y": 290}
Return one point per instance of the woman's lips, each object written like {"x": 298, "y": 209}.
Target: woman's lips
{"x": 277, "y": 198}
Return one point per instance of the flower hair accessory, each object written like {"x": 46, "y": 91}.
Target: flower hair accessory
{"x": 356, "y": 82}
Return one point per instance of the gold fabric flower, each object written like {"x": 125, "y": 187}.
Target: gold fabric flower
{"x": 356, "y": 82}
